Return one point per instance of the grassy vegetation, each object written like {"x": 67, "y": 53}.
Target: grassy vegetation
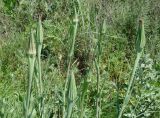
{"x": 79, "y": 59}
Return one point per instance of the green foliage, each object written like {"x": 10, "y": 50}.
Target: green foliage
{"x": 88, "y": 66}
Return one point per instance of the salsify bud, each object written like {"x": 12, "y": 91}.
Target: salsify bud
{"x": 32, "y": 46}
{"x": 72, "y": 89}
{"x": 140, "y": 42}
{"x": 39, "y": 32}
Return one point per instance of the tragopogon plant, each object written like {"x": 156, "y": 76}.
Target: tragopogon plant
{"x": 31, "y": 61}
{"x": 140, "y": 43}
{"x": 34, "y": 57}
{"x": 39, "y": 41}
{"x": 70, "y": 82}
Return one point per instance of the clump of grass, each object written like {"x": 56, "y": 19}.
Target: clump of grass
{"x": 140, "y": 43}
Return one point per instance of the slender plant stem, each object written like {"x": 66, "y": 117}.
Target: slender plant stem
{"x": 98, "y": 97}
{"x": 30, "y": 74}
{"x": 128, "y": 94}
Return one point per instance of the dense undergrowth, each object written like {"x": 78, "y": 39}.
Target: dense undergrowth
{"x": 87, "y": 58}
